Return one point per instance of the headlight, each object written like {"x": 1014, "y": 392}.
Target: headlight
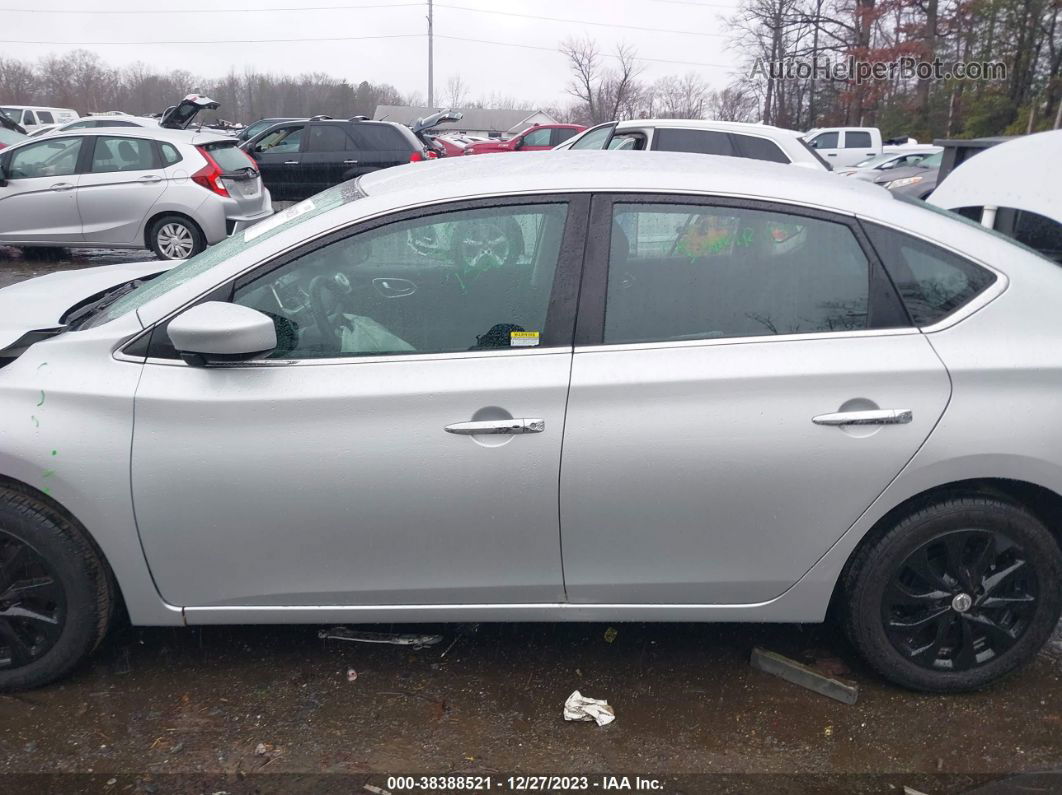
{"x": 899, "y": 183}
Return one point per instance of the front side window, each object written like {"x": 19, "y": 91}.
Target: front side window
{"x": 706, "y": 142}
{"x": 122, "y": 154}
{"x": 537, "y": 138}
{"x": 595, "y": 138}
{"x": 56, "y": 157}
{"x": 285, "y": 140}
{"x": 693, "y": 272}
{"x": 458, "y": 281}
{"x": 29, "y": 118}
{"x": 932, "y": 282}
{"x": 826, "y": 140}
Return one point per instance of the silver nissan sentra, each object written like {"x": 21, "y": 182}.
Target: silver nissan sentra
{"x": 568, "y": 386}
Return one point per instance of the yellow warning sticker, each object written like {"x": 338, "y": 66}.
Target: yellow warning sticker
{"x": 523, "y": 339}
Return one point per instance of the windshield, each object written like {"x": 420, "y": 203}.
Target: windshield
{"x": 341, "y": 194}
{"x": 875, "y": 160}
{"x": 8, "y": 137}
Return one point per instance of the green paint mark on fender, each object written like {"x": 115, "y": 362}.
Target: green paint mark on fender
{"x": 36, "y": 422}
{"x": 41, "y": 401}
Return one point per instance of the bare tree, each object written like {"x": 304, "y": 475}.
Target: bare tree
{"x": 602, "y": 93}
{"x": 456, "y": 92}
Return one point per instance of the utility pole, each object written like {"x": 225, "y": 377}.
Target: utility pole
{"x": 431, "y": 61}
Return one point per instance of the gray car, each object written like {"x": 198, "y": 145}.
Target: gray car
{"x": 917, "y": 180}
{"x": 172, "y": 191}
{"x": 563, "y": 387}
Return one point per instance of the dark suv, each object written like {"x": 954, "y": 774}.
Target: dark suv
{"x": 303, "y": 157}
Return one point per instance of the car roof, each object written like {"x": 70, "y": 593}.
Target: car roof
{"x": 155, "y": 133}
{"x": 583, "y": 170}
{"x": 707, "y": 124}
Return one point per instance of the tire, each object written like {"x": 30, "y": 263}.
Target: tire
{"x": 907, "y": 610}
{"x": 71, "y": 598}
{"x": 175, "y": 237}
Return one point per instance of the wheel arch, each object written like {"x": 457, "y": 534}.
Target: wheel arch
{"x": 1042, "y": 502}
{"x": 156, "y": 216}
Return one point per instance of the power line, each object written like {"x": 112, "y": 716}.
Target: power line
{"x": 608, "y": 55}
{"x": 578, "y": 21}
{"x": 141, "y": 12}
{"x": 220, "y": 41}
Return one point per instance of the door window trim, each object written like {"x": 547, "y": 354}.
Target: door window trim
{"x": 560, "y": 313}
{"x": 884, "y": 303}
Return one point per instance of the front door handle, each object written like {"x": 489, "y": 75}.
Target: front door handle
{"x": 506, "y": 427}
{"x": 871, "y": 417}
{"x": 61, "y": 186}
{"x": 350, "y": 162}
{"x": 291, "y": 162}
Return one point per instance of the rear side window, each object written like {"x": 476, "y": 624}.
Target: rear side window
{"x": 932, "y": 282}
{"x": 696, "y": 272}
{"x": 122, "y": 154}
{"x": 328, "y": 138}
{"x": 45, "y": 117}
{"x": 856, "y": 140}
{"x": 706, "y": 142}
{"x": 562, "y": 134}
{"x": 378, "y": 137}
{"x": 759, "y": 149}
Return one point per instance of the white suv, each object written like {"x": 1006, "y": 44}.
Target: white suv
{"x": 728, "y": 138}
{"x": 172, "y": 191}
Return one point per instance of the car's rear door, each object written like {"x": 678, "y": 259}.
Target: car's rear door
{"x": 328, "y": 155}
{"x": 124, "y": 180}
{"x": 719, "y": 344}
{"x": 380, "y": 146}
{"x": 373, "y": 459}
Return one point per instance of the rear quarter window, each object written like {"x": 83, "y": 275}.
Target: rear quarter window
{"x": 706, "y": 142}
{"x": 932, "y": 282}
{"x": 757, "y": 148}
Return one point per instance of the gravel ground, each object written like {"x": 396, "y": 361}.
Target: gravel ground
{"x": 275, "y": 709}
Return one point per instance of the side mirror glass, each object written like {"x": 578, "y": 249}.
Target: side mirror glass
{"x": 3, "y": 176}
{"x": 216, "y": 332}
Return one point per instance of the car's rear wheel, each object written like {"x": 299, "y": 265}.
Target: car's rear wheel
{"x": 175, "y": 237}
{"x": 56, "y": 596}
{"x": 955, "y": 595}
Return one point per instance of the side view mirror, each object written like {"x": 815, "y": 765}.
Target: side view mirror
{"x": 216, "y": 332}
{"x": 518, "y": 143}
{"x": 3, "y": 177}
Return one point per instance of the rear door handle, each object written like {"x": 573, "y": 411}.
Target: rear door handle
{"x": 871, "y": 417}
{"x": 506, "y": 427}
{"x": 61, "y": 186}
{"x": 350, "y": 162}
{"x": 291, "y": 162}
{"x": 150, "y": 179}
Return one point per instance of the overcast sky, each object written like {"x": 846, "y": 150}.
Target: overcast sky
{"x": 671, "y": 37}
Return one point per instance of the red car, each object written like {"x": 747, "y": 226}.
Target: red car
{"x": 533, "y": 139}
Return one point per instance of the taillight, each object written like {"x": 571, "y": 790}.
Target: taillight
{"x": 209, "y": 176}
{"x": 420, "y": 157}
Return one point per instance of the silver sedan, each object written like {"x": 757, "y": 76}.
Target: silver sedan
{"x": 566, "y": 386}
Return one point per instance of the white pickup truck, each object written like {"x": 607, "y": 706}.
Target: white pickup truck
{"x": 846, "y": 146}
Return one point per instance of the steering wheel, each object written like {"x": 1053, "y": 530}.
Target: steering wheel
{"x": 339, "y": 286}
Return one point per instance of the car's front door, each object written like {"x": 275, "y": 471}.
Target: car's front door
{"x": 402, "y": 446}
{"x": 38, "y": 203}
{"x": 703, "y": 459}
{"x": 278, "y": 154}
{"x": 536, "y": 140}
{"x": 115, "y": 195}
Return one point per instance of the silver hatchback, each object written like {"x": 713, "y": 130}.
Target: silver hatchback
{"x": 172, "y": 191}
{"x": 564, "y": 386}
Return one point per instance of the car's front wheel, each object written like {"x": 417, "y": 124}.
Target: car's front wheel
{"x": 175, "y": 237}
{"x": 55, "y": 593}
{"x": 955, "y": 595}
